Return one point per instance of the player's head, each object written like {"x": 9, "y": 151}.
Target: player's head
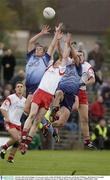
{"x": 19, "y": 88}
{"x": 39, "y": 50}
{"x": 81, "y": 56}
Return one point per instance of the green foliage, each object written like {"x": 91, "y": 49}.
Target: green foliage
{"x": 106, "y": 44}
{"x": 7, "y": 16}
{"x": 30, "y": 13}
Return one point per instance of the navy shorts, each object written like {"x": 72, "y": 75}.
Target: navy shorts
{"x": 68, "y": 101}
{"x": 30, "y": 89}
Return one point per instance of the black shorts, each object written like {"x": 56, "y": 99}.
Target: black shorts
{"x": 30, "y": 89}
{"x": 68, "y": 101}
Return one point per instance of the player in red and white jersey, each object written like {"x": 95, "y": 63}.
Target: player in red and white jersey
{"x": 88, "y": 77}
{"x": 12, "y": 109}
{"x": 43, "y": 96}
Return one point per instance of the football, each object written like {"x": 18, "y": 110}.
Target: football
{"x": 49, "y": 13}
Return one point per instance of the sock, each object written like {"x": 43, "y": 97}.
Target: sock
{"x": 87, "y": 141}
{"x": 5, "y": 146}
{"x": 24, "y": 134}
{"x": 11, "y": 156}
{"x": 28, "y": 140}
{"x": 23, "y": 119}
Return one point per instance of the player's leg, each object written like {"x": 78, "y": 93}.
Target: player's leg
{"x": 59, "y": 95}
{"x": 63, "y": 115}
{"x": 83, "y": 115}
{"x": 37, "y": 120}
{"x": 14, "y": 147}
{"x": 33, "y": 129}
{"x": 31, "y": 117}
{"x": 15, "y": 137}
{"x": 4, "y": 148}
{"x": 26, "y": 110}
{"x": 13, "y": 151}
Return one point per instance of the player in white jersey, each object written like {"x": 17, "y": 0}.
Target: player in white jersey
{"x": 43, "y": 96}
{"x": 89, "y": 78}
{"x": 12, "y": 109}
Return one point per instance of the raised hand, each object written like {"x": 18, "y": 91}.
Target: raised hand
{"x": 45, "y": 29}
{"x": 68, "y": 39}
{"x": 59, "y": 27}
{"x": 59, "y": 35}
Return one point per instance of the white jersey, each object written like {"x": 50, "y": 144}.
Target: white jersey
{"x": 14, "y": 105}
{"x": 51, "y": 78}
{"x": 87, "y": 73}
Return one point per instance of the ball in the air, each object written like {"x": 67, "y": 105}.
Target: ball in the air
{"x": 49, "y": 13}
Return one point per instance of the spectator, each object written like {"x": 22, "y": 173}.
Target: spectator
{"x": 18, "y": 77}
{"x": 105, "y": 92}
{"x": 6, "y": 93}
{"x": 96, "y": 57}
{"x": 99, "y": 136}
{"x": 97, "y": 109}
{"x": 8, "y": 63}
{"x": 2, "y": 128}
{"x": 108, "y": 135}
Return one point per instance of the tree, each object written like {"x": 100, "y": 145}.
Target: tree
{"x": 106, "y": 44}
{"x": 7, "y": 16}
{"x": 7, "y": 19}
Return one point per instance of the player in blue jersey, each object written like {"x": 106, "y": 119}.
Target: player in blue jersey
{"x": 37, "y": 62}
{"x": 68, "y": 87}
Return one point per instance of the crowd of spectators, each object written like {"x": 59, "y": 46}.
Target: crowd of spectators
{"x": 8, "y": 76}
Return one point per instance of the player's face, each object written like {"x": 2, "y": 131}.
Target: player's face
{"x": 19, "y": 89}
{"x": 81, "y": 56}
{"x": 39, "y": 51}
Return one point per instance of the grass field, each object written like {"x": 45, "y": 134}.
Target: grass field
{"x": 58, "y": 163}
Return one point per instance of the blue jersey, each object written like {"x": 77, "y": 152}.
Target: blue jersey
{"x": 70, "y": 82}
{"x": 35, "y": 68}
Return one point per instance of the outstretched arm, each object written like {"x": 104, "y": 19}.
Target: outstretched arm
{"x": 73, "y": 51}
{"x": 32, "y": 41}
{"x": 60, "y": 52}
{"x": 66, "y": 51}
{"x": 57, "y": 36}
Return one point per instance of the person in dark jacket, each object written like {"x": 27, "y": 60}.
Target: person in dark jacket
{"x": 8, "y": 62}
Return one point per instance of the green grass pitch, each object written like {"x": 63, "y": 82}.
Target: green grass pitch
{"x": 58, "y": 163}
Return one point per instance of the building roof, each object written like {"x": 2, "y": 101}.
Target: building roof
{"x": 84, "y": 16}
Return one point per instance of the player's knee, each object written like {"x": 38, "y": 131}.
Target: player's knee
{"x": 16, "y": 138}
{"x": 59, "y": 93}
{"x": 16, "y": 145}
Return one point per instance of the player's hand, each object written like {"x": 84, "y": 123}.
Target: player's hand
{"x": 59, "y": 27}
{"x": 68, "y": 39}
{"x": 45, "y": 30}
{"x": 59, "y": 35}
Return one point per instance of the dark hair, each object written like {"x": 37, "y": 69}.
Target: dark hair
{"x": 82, "y": 52}
{"x": 39, "y": 45}
{"x": 19, "y": 82}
